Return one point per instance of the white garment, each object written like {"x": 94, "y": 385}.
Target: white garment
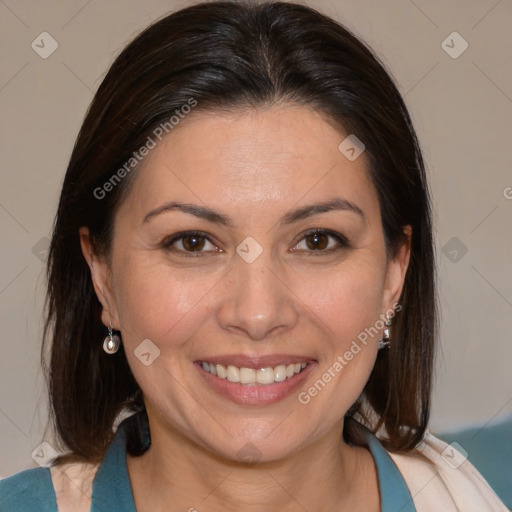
{"x": 449, "y": 484}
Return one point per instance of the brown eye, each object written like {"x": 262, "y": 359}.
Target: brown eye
{"x": 193, "y": 242}
{"x": 190, "y": 244}
{"x": 319, "y": 241}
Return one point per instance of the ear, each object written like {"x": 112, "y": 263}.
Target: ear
{"x": 101, "y": 275}
{"x": 395, "y": 274}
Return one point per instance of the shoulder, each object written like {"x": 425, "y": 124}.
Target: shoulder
{"x": 437, "y": 474}
{"x": 28, "y": 490}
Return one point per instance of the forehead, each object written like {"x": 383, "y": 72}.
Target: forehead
{"x": 245, "y": 160}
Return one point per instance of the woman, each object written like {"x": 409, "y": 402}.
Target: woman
{"x": 246, "y": 213}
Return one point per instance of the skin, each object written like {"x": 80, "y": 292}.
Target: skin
{"x": 255, "y": 166}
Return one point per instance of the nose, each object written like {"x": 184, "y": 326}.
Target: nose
{"x": 258, "y": 303}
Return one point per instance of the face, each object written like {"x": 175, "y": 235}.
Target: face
{"x": 249, "y": 280}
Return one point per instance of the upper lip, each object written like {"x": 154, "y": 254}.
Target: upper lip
{"x": 256, "y": 362}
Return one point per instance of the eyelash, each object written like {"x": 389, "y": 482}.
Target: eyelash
{"x": 341, "y": 239}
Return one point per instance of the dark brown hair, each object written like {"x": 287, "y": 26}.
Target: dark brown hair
{"x": 233, "y": 55}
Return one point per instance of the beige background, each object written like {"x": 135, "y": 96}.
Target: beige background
{"x": 462, "y": 110}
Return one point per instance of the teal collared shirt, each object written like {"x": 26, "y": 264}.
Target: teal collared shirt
{"x": 32, "y": 490}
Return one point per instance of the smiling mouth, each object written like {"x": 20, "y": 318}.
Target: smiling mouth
{"x": 251, "y": 376}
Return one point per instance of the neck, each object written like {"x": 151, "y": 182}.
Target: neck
{"x": 326, "y": 475}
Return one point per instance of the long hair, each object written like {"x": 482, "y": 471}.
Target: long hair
{"x": 233, "y": 55}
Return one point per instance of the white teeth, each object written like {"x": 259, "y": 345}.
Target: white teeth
{"x": 263, "y": 376}
{"x": 280, "y": 373}
{"x": 233, "y": 374}
{"x": 221, "y": 371}
{"x": 247, "y": 375}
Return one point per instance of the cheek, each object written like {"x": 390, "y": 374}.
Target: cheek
{"x": 347, "y": 303}
{"x": 157, "y": 303}
{"x": 349, "y": 307}
{"x": 347, "y": 300}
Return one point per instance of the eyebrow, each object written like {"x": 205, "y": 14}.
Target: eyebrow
{"x": 215, "y": 217}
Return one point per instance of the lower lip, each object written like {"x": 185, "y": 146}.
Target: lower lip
{"x": 252, "y": 394}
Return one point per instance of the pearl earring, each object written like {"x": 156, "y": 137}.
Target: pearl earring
{"x": 112, "y": 342}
